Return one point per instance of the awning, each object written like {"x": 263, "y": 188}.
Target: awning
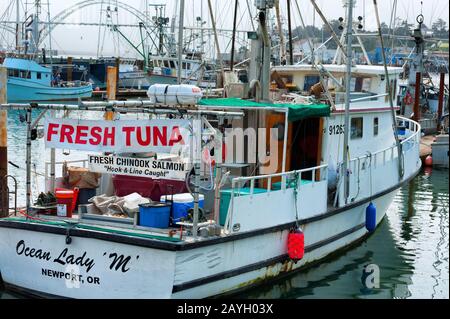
{"x": 296, "y": 111}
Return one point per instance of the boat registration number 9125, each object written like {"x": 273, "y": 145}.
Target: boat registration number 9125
{"x": 336, "y": 129}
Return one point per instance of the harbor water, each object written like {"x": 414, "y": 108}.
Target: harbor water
{"x": 409, "y": 250}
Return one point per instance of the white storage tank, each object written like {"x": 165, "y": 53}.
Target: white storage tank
{"x": 174, "y": 94}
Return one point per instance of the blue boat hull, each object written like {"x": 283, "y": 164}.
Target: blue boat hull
{"x": 25, "y": 91}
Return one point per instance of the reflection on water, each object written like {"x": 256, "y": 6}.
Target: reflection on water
{"x": 410, "y": 248}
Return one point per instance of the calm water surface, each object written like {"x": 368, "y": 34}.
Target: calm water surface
{"x": 410, "y": 247}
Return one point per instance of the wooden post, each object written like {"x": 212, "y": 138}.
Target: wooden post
{"x": 111, "y": 88}
{"x": 417, "y": 97}
{"x": 4, "y": 196}
{"x": 69, "y": 69}
{"x": 441, "y": 99}
{"x": 111, "y": 82}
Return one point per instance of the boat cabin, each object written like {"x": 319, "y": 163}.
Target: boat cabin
{"x": 28, "y": 70}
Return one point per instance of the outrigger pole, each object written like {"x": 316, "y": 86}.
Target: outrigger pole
{"x": 348, "y": 79}
{"x": 401, "y": 170}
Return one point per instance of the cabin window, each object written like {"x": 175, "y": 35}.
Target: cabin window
{"x": 166, "y": 63}
{"x": 25, "y": 75}
{"x": 13, "y": 73}
{"x": 375, "y": 126}
{"x": 172, "y": 64}
{"x": 360, "y": 84}
{"x": 39, "y": 75}
{"x": 310, "y": 80}
{"x": 356, "y": 131}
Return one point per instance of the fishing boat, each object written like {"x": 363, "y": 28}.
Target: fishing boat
{"x": 30, "y": 82}
{"x": 321, "y": 179}
{"x": 193, "y": 71}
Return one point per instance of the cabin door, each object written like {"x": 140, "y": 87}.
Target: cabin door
{"x": 307, "y": 145}
{"x": 273, "y": 163}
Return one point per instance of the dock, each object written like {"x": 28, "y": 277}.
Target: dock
{"x": 425, "y": 146}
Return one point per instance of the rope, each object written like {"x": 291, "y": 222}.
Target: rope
{"x": 297, "y": 177}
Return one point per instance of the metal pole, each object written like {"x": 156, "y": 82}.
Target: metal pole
{"x": 325, "y": 21}
{"x": 180, "y": 41}
{"x": 280, "y": 32}
{"x": 216, "y": 40}
{"x": 391, "y": 98}
{"x": 197, "y": 157}
{"x": 4, "y": 199}
{"x": 18, "y": 26}
{"x": 291, "y": 50}
{"x": 416, "y": 116}
{"x": 347, "y": 97}
{"x": 441, "y": 98}
{"x": 28, "y": 158}
{"x": 233, "y": 39}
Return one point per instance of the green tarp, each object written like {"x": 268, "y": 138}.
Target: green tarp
{"x": 296, "y": 111}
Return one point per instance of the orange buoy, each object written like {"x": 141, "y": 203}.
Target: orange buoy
{"x": 429, "y": 161}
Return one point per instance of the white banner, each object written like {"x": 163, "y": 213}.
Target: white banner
{"x": 133, "y": 136}
{"x": 138, "y": 167}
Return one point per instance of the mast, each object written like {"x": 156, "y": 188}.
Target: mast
{"x": 18, "y": 26}
{"x": 291, "y": 50}
{"x": 265, "y": 46}
{"x": 172, "y": 29}
{"x": 180, "y": 41}
{"x": 349, "y": 4}
{"x": 233, "y": 39}
{"x": 391, "y": 100}
{"x": 49, "y": 32}
{"x": 280, "y": 31}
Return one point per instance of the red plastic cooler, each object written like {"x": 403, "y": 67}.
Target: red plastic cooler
{"x": 147, "y": 187}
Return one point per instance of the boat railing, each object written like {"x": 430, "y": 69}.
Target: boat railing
{"x": 82, "y": 163}
{"x": 362, "y": 169}
{"x": 289, "y": 180}
{"x": 319, "y": 173}
{"x": 413, "y": 127}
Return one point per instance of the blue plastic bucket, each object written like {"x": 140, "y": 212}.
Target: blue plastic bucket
{"x": 181, "y": 203}
{"x": 155, "y": 215}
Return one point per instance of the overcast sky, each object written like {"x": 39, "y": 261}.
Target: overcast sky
{"x": 83, "y": 39}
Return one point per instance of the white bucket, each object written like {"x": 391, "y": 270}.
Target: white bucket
{"x": 174, "y": 94}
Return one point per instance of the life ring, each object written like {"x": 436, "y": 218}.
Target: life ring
{"x": 408, "y": 99}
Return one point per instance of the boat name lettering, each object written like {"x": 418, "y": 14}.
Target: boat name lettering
{"x": 117, "y": 262}
{"x": 64, "y": 259}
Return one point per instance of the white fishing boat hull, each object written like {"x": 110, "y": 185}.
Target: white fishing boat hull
{"x": 150, "y": 273}
{"x": 157, "y": 273}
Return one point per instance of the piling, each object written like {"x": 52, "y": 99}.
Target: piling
{"x": 441, "y": 98}
{"x": 4, "y": 198}
{"x": 111, "y": 88}
{"x": 69, "y": 68}
{"x": 111, "y": 82}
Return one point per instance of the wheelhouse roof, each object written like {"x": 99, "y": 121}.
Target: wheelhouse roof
{"x": 296, "y": 111}
{"x": 25, "y": 65}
